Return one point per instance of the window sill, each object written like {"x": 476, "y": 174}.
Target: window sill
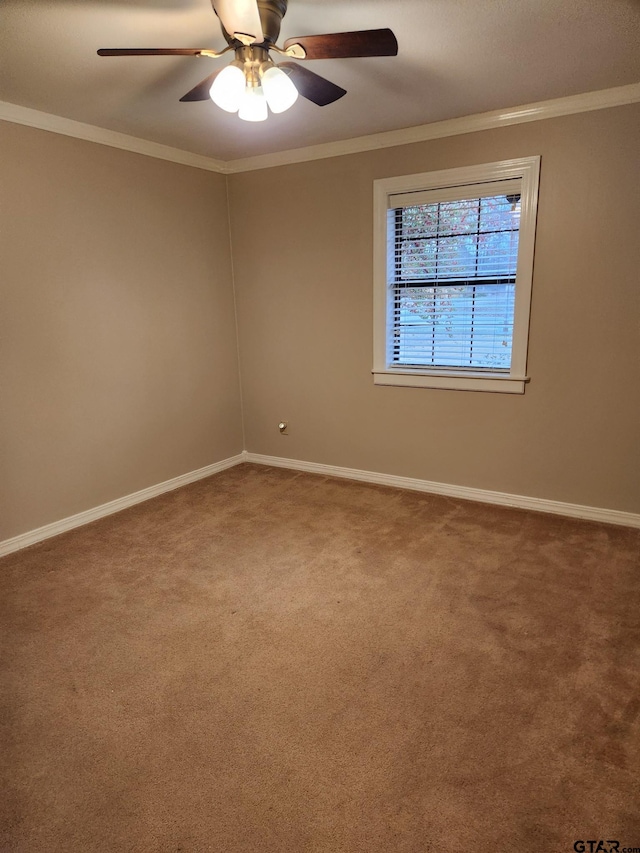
{"x": 452, "y": 380}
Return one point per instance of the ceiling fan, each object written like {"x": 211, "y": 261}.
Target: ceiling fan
{"x": 253, "y": 83}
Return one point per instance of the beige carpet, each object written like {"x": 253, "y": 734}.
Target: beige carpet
{"x": 285, "y": 663}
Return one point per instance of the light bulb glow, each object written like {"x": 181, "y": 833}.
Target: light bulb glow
{"x": 227, "y": 90}
{"x": 278, "y": 90}
{"x": 253, "y": 106}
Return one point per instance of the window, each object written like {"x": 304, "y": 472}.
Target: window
{"x": 453, "y": 270}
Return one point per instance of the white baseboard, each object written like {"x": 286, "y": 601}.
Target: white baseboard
{"x": 590, "y": 513}
{"x": 57, "y": 527}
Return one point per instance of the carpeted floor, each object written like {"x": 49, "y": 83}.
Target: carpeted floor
{"x": 286, "y": 663}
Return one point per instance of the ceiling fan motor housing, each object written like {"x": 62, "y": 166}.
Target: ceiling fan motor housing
{"x": 271, "y": 14}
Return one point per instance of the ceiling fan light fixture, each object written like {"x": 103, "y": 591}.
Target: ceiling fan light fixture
{"x": 278, "y": 90}
{"x": 227, "y": 90}
{"x": 253, "y": 106}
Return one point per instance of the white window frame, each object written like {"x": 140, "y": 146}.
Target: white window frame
{"x": 527, "y": 169}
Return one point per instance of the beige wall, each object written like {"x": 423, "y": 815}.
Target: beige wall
{"x": 118, "y": 361}
{"x": 118, "y": 367}
{"x": 303, "y": 272}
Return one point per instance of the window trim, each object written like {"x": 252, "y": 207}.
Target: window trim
{"x": 527, "y": 169}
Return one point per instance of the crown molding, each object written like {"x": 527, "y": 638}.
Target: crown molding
{"x": 601, "y": 99}
{"x": 68, "y": 127}
{"x": 569, "y": 105}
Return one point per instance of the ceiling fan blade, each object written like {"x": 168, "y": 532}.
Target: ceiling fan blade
{"x": 201, "y": 91}
{"x": 151, "y": 51}
{"x": 312, "y": 86}
{"x": 240, "y": 16}
{"x": 345, "y": 45}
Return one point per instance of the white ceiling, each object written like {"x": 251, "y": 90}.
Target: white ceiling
{"x": 456, "y": 58}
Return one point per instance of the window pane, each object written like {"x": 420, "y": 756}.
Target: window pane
{"x": 499, "y": 214}
{"x": 458, "y": 217}
{"x": 420, "y": 221}
{"x": 418, "y": 259}
{"x": 498, "y": 253}
{"x": 456, "y": 256}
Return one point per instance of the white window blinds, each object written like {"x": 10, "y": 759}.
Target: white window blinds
{"x": 452, "y": 258}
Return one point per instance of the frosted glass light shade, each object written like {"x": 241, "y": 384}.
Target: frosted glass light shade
{"x": 278, "y": 90}
{"x": 253, "y": 106}
{"x": 227, "y": 90}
